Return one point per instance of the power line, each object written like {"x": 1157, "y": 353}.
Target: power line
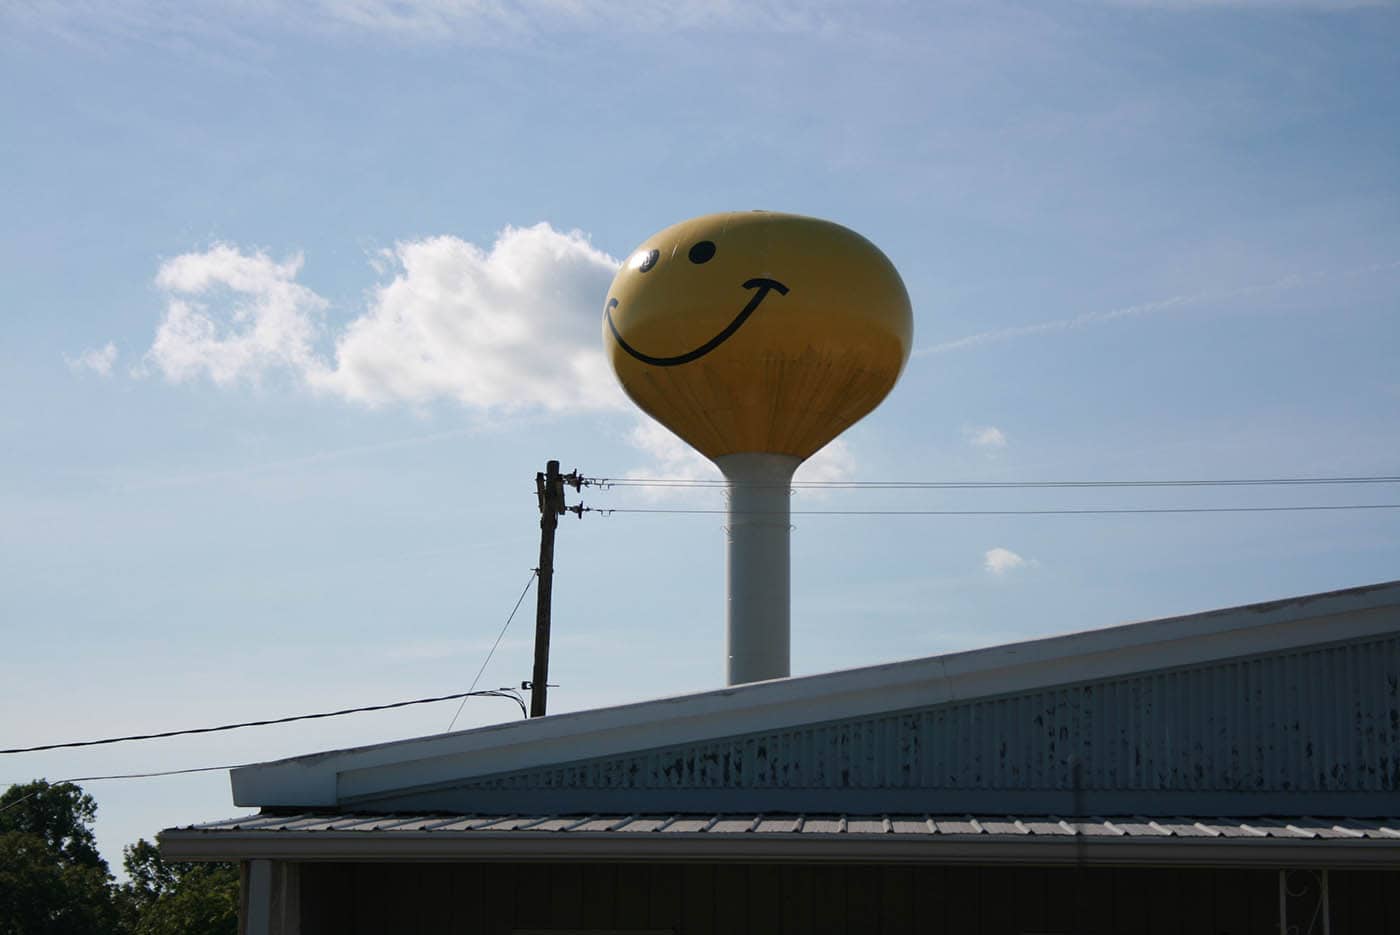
{"x": 493, "y": 693}
{"x": 25, "y": 798}
{"x": 159, "y": 772}
{"x": 1092, "y": 512}
{"x": 518, "y": 602}
{"x": 163, "y": 772}
{"x": 469, "y": 693}
{"x": 682, "y": 482}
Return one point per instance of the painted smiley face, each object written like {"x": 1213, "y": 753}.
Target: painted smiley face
{"x": 761, "y": 285}
{"x": 753, "y": 331}
{"x": 699, "y": 253}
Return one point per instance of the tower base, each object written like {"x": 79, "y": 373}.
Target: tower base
{"x": 758, "y": 627}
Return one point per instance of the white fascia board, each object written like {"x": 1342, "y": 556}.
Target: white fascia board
{"x": 326, "y": 779}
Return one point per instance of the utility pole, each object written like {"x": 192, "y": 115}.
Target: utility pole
{"x": 549, "y": 487}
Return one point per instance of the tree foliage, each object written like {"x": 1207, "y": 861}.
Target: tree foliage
{"x": 53, "y": 881}
{"x": 61, "y": 814}
{"x": 178, "y": 898}
{"x": 43, "y": 894}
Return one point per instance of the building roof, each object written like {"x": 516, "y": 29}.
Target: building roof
{"x": 1310, "y": 841}
{"x": 418, "y": 773}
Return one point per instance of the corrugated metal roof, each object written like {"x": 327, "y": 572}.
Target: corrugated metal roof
{"x": 772, "y": 836}
{"x": 1297, "y": 828}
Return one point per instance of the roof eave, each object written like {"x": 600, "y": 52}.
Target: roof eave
{"x": 188, "y": 845}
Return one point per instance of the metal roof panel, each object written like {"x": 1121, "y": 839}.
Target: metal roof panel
{"x": 1301, "y": 828}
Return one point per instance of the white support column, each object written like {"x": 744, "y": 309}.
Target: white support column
{"x": 758, "y": 630}
{"x": 257, "y": 898}
{"x": 271, "y": 899}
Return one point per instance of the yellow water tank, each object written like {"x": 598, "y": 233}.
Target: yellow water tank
{"x": 752, "y": 331}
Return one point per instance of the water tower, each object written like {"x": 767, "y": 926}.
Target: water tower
{"x": 757, "y": 338}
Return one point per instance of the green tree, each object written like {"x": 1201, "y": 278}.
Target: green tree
{"x": 178, "y": 898}
{"x": 60, "y": 813}
{"x": 52, "y": 879}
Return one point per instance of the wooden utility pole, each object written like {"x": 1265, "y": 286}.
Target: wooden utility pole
{"x": 550, "y": 488}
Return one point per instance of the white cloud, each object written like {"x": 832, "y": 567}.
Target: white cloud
{"x": 835, "y": 462}
{"x": 205, "y": 23}
{"x": 669, "y": 458}
{"x": 475, "y": 22}
{"x": 510, "y": 328}
{"x": 97, "y": 359}
{"x": 1000, "y": 561}
{"x": 988, "y": 437}
{"x": 262, "y": 319}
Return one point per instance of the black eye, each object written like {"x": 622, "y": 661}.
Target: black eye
{"x": 645, "y": 261}
{"x": 702, "y": 252}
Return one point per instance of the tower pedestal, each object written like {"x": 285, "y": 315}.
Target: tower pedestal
{"x": 758, "y": 630}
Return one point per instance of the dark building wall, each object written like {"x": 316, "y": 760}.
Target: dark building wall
{"x": 1303, "y": 731}
{"x": 734, "y": 899}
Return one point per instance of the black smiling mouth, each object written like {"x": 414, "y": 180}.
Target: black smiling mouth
{"x": 763, "y": 287}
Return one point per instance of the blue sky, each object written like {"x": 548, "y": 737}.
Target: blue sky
{"x": 298, "y": 299}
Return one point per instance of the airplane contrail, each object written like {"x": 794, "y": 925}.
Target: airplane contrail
{"x": 1145, "y": 308}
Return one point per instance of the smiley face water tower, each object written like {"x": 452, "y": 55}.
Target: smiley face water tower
{"x": 758, "y": 338}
